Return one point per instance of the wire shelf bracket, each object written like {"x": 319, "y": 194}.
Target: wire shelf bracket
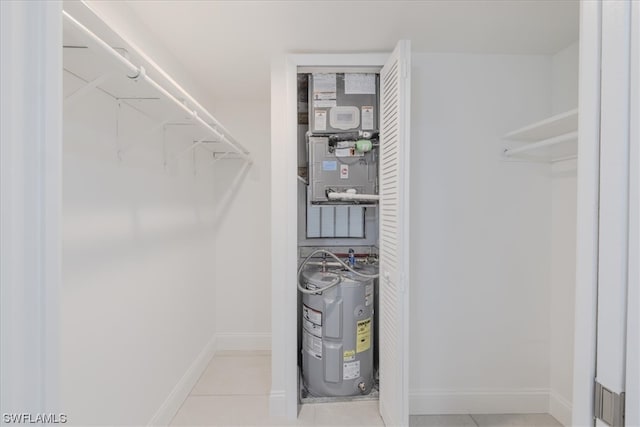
{"x": 139, "y": 73}
{"x": 558, "y": 129}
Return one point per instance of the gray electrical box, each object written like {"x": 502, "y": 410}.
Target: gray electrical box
{"x": 343, "y": 102}
{"x": 339, "y": 168}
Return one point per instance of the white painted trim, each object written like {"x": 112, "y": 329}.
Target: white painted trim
{"x": 31, "y": 200}
{"x": 170, "y": 407}
{"x": 587, "y": 214}
{"x": 632, "y": 416}
{"x": 243, "y": 341}
{"x": 479, "y": 401}
{"x": 614, "y": 195}
{"x": 284, "y": 367}
{"x": 560, "y": 408}
{"x": 219, "y": 342}
{"x": 487, "y": 401}
{"x": 277, "y": 402}
{"x": 374, "y": 60}
{"x": 283, "y": 241}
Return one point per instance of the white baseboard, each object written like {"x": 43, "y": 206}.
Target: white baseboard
{"x": 181, "y": 391}
{"x": 245, "y": 341}
{"x": 560, "y": 408}
{"x": 277, "y": 403}
{"x": 221, "y": 341}
{"x": 516, "y": 401}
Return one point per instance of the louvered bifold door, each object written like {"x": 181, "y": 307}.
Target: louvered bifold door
{"x": 394, "y": 237}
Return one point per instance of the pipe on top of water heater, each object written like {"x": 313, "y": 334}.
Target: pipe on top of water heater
{"x": 338, "y": 277}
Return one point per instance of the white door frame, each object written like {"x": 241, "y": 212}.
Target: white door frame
{"x": 613, "y": 253}
{"x": 31, "y": 199}
{"x": 587, "y": 214}
{"x": 588, "y": 217}
{"x": 633, "y": 308}
{"x": 284, "y": 214}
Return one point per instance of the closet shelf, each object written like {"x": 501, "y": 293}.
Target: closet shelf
{"x": 97, "y": 65}
{"x": 559, "y": 129}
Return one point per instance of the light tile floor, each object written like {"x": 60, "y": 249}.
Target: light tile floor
{"x": 484, "y": 420}
{"x": 234, "y": 391}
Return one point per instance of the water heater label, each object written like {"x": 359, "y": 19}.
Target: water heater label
{"x": 363, "y": 335}
{"x": 312, "y": 315}
{"x": 312, "y": 328}
{"x": 349, "y": 355}
{"x": 351, "y": 370}
{"x": 312, "y": 344}
{"x": 368, "y": 294}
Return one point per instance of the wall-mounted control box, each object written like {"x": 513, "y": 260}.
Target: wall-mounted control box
{"x": 343, "y": 102}
{"x": 339, "y": 167}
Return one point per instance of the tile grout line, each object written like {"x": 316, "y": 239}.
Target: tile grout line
{"x": 229, "y": 395}
{"x": 474, "y": 420}
{"x": 192, "y": 388}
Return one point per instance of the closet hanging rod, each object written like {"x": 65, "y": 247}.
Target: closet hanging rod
{"x": 136, "y": 73}
{"x": 508, "y": 152}
{"x": 562, "y": 159}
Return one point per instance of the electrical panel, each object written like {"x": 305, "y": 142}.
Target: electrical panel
{"x": 343, "y": 102}
{"x": 338, "y": 166}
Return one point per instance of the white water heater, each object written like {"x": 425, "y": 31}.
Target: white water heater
{"x": 338, "y": 333}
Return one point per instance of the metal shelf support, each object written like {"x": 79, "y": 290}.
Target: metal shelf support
{"x": 570, "y": 136}
{"x": 139, "y": 73}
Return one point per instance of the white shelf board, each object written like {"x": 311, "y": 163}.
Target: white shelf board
{"x": 559, "y": 124}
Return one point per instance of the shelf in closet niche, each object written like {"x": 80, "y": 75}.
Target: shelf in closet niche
{"x": 557, "y": 136}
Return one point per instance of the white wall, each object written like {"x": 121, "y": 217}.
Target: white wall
{"x": 481, "y": 231}
{"x": 563, "y": 261}
{"x": 120, "y": 18}
{"x": 242, "y": 255}
{"x": 481, "y": 298}
{"x": 563, "y": 244}
{"x": 137, "y": 305}
{"x": 564, "y": 82}
{"x": 170, "y": 252}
